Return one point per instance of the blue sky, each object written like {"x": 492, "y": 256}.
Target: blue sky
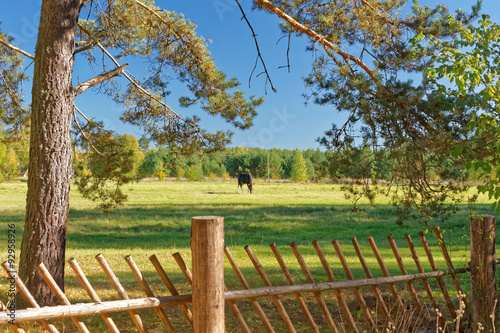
{"x": 283, "y": 121}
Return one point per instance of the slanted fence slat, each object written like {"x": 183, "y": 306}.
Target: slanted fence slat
{"x": 439, "y": 280}
{"x": 317, "y": 294}
{"x": 267, "y": 282}
{"x": 92, "y": 294}
{"x": 338, "y": 293}
{"x": 120, "y": 290}
{"x": 357, "y": 292}
{"x": 291, "y": 281}
{"x": 245, "y": 285}
{"x": 420, "y": 269}
{"x": 369, "y": 275}
{"x": 60, "y": 295}
{"x": 409, "y": 285}
{"x": 170, "y": 286}
{"x": 148, "y": 292}
{"x": 385, "y": 271}
{"x": 21, "y": 287}
{"x": 448, "y": 261}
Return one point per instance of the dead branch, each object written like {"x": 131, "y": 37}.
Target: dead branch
{"x": 259, "y": 55}
{"x": 299, "y": 27}
{"x": 98, "y": 79}
{"x": 81, "y": 130}
{"x": 15, "y": 48}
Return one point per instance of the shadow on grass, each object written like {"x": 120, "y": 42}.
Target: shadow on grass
{"x": 164, "y": 226}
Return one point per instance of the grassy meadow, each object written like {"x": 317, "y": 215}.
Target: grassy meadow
{"x": 156, "y": 220}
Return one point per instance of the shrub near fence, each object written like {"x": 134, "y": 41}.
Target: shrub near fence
{"x": 206, "y": 313}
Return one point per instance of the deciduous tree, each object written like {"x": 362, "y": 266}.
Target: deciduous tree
{"x": 470, "y": 63}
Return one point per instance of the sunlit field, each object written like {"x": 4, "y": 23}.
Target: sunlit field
{"x": 156, "y": 220}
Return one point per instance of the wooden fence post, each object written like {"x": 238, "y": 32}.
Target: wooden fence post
{"x": 482, "y": 263}
{"x": 207, "y": 246}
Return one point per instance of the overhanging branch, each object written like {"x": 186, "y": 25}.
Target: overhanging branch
{"x": 168, "y": 109}
{"x": 259, "y": 55}
{"x": 98, "y": 79}
{"x": 299, "y": 27}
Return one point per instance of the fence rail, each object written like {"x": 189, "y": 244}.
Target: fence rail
{"x": 200, "y": 280}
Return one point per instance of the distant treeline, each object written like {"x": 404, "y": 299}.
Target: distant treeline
{"x": 310, "y": 164}
{"x": 260, "y": 163}
{"x": 307, "y": 164}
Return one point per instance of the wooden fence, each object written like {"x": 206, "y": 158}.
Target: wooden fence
{"x": 206, "y": 312}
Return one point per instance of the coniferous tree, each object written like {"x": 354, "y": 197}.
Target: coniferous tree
{"x": 299, "y": 167}
{"x": 106, "y": 32}
{"x": 362, "y": 61}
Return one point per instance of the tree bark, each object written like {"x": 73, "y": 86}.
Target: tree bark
{"x": 47, "y": 203}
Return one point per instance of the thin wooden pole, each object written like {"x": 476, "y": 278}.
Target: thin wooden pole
{"x": 350, "y": 276}
{"x": 267, "y": 283}
{"x": 369, "y": 275}
{"x": 14, "y": 326}
{"x": 232, "y": 304}
{"x": 439, "y": 280}
{"x": 317, "y": 295}
{"x": 245, "y": 285}
{"x": 482, "y": 263}
{"x": 120, "y": 290}
{"x": 326, "y": 286}
{"x": 207, "y": 246}
{"x": 92, "y": 309}
{"x": 289, "y": 278}
{"x": 92, "y": 294}
{"x": 170, "y": 286}
{"x": 338, "y": 292}
{"x": 402, "y": 267}
{"x": 147, "y": 291}
{"x": 30, "y": 300}
{"x": 385, "y": 271}
{"x": 60, "y": 295}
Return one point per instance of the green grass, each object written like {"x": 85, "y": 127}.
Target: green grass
{"x": 156, "y": 220}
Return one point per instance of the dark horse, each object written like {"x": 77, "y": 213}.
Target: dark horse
{"x": 244, "y": 178}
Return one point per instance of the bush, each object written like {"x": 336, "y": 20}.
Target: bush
{"x": 180, "y": 173}
{"x": 194, "y": 172}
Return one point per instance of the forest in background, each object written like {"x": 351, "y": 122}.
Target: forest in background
{"x": 297, "y": 165}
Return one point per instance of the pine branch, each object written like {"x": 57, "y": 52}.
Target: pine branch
{"x": 141, "y": 89}
{"x": 15, "y": 48}
{"x": 83, "y": 46}
{"x": 81, "y": 130}
{"x": 98, "y": 79}
{"x": 299, "y": 27}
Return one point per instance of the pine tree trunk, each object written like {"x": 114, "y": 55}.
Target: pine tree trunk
{"x": 50, "y": 169}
